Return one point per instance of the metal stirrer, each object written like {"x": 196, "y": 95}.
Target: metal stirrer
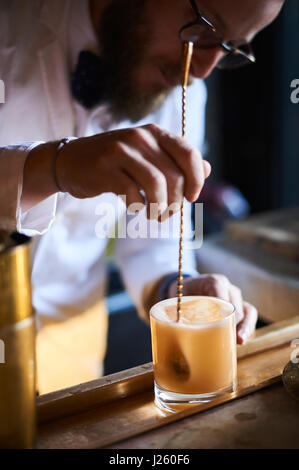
{"x": 187, "y": 57}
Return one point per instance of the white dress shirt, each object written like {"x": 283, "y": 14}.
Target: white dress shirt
{"x": 37, "y": 55}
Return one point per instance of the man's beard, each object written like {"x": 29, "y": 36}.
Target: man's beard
{"x": 124, "y": 37}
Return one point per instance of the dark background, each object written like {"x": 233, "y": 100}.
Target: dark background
{"x": 252, "y": 125}
{"x": 252, "y": 143}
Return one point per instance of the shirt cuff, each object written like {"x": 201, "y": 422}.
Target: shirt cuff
{"x": 12, "y": 161}
{"x": 163, "y": 291}
{"x": 34, "y": 221}
{"x": 38, "y": 219}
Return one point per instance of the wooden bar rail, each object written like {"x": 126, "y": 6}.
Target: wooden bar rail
{"x": 271, "y": 336}
{"x": 119, "y": 406}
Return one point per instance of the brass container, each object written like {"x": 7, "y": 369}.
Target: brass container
{"x": 17, "y": 344}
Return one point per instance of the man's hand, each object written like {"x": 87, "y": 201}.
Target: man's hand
{"x": 164, "y": 166}
{"x": 126, "y": 161}
{"x": 217, "y": 285}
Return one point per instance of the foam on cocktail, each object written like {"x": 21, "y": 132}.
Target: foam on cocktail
{"x": 194, "y": 310}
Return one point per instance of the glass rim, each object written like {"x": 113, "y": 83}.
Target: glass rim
{"x": 195, "y": 326}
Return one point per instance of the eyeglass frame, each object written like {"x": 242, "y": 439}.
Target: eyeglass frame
{"x": 228, "y": 48}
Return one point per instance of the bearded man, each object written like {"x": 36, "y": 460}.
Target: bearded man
{"x": 92, "y": 112}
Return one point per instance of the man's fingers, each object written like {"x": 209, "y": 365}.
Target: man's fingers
{"x": 218, "y": 286}
{"x": 145, "y": 174}
{"x": 236, "y": 299}
{"x": 187, "y": 158}
{"x": 174, "y": 177}
{"x": 247, "y": 326}
{"x": 161, "y": 164}
{"x": 180, "y": 165}
{"x": 128, "y": 187}
{"x": 207, "y": 168}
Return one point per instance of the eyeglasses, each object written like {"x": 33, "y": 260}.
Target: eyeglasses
{"x": 204, "y": 35}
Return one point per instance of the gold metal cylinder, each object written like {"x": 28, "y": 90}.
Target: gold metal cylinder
{"x": 17, "y": 345}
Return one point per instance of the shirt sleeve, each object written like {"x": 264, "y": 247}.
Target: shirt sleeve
{"x": 150, "y": 250}
{"x": 38, "y": 219}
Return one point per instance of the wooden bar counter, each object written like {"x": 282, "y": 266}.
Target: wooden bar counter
{"x": 118, "y": 411}
{"x": 267, "y": 419}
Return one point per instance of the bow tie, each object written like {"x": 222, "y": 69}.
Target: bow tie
{"x": 87, "y": 79}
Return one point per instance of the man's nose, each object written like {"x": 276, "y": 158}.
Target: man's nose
{"x": 205, "y": 60}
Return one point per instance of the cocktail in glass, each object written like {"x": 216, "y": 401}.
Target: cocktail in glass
{"x": 194, "y": 358}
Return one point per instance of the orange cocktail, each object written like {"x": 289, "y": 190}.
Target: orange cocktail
{"x": 195, "y": 358}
